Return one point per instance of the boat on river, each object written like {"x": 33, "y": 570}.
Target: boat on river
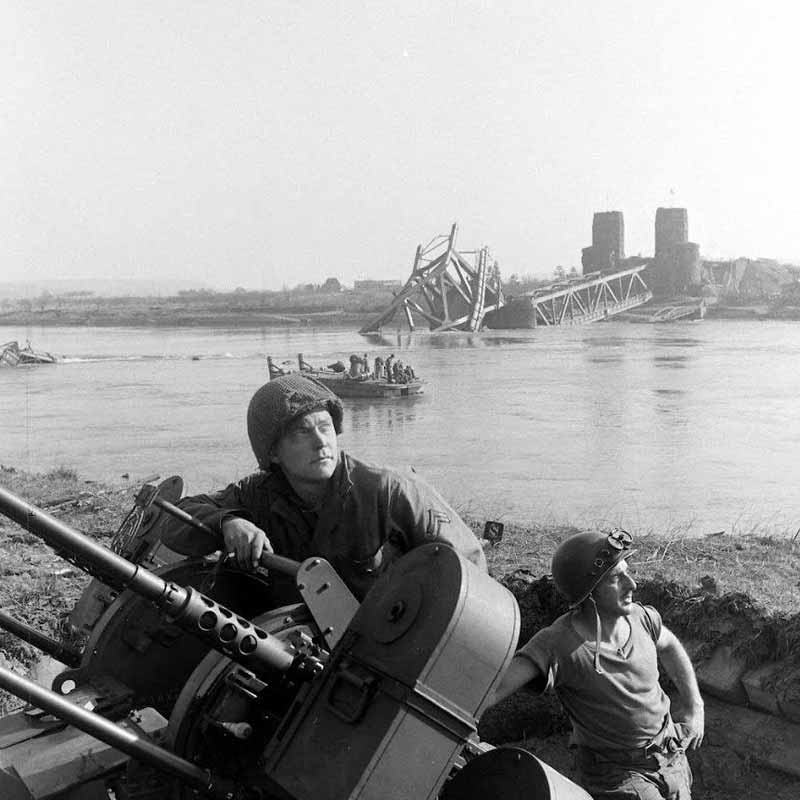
{"x": 358, "y": 381}
{"x": 12, "y": 355}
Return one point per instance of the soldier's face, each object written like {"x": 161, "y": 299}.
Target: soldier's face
{"x": 614, "y": 594}
{"x": 309, "y": 450}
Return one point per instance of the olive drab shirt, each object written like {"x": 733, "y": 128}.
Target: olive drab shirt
{"x": 622, "y": 708}
{"x": 370, "y": 516}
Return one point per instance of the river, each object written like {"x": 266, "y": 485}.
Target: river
{"x": 684, "y": 428}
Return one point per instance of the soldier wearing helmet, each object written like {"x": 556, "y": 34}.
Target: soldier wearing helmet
{"x": 310, "y": 498}
{"x": 601, "y": 658}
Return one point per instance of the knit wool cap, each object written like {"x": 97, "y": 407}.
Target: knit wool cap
{"x": 281, "y": 401}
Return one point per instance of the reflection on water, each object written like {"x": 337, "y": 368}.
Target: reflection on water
{"x": 676, "y": 362}
{"x": 606, "y": 342}
{"x": 606, "y": 359}
{"x": 377, "y": 418}
{"x": 451, "y": 339}
{"x": 676, "y": 341}
{"x": 690, "y": 426}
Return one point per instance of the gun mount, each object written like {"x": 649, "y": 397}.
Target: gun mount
{"x": 392, "y": 701}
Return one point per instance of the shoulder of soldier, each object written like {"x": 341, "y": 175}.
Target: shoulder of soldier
{"x": 362, "y": 471}
{"x": 397, "y": 481}
{"x": 649, "y": 618}
{"x": 250, "y": 487}
{"x": 552, "y": 635}
{"x": 256, "y": 479}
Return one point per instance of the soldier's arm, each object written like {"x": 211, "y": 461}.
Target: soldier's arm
{"x": 213, "y": 510}
{"x": 678, "y": 666}
{"x": 521, "y": 672}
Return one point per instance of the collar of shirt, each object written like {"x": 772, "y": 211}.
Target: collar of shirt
{"x": 286, "y": 502}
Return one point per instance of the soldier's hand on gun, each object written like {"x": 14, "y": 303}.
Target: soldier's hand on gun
{"x": 245, "y": 541}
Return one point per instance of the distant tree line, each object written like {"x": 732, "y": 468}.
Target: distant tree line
{"x": 330, "y": 285}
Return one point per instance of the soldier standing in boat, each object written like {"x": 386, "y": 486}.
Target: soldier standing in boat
{"x": 355, "y": 366}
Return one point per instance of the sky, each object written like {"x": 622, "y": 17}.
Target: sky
{"x": 265, "y": 144}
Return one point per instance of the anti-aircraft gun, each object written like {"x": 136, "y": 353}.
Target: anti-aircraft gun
{"x": 324, "y": 699}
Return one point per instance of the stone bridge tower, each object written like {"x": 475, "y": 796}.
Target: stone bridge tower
{"x": 608, "y": 242}
{"x": 676, "y": 265}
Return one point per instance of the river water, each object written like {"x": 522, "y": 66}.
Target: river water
{"x": 689, "y": 427}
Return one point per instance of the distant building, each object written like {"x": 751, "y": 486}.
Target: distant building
{"x": 373, "y": 285}
{"x": 332, "y": 285}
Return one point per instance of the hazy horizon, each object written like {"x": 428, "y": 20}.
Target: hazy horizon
{"x": 269, "y": 145}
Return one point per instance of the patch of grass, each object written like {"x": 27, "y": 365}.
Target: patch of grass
{"x": 62, "y": 473}
{"x": 37, "y": 586}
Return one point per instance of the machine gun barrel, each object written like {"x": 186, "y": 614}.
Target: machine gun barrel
{"x": 125, "y": 740}
{"x": 218, "y": 626}
{"x": 61, "y": 652}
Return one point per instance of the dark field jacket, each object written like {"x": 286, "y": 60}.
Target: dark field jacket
{"x": 369, "y": 518}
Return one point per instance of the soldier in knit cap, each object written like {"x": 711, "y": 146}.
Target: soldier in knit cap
{"x": 310, "y": 498}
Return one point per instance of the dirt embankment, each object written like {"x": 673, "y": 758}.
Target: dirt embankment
{"x": 733, "y": 600}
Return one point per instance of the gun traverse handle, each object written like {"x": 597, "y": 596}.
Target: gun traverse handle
{"x": 286, "y": 566}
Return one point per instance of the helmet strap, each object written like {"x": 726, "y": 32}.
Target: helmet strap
{"x": 598, "y": 634}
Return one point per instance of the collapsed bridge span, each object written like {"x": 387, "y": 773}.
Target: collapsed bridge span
{"x": 448, "y": 289}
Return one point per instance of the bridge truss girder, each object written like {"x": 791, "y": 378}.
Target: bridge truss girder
{"x": 589, "y": 298}
{"x": 449, "y": 290}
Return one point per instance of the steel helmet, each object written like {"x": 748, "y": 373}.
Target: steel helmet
{"x": 583, "y": 560}
{"x": 277, "y": 403}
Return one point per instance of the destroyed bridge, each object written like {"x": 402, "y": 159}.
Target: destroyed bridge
{"x": 461, "y": 291}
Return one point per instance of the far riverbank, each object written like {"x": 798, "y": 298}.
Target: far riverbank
{"x": 172, "y": 312}
{"x": 182, "y": 317}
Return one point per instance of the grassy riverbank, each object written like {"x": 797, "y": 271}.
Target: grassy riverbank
{"x": 740, "y": 590}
